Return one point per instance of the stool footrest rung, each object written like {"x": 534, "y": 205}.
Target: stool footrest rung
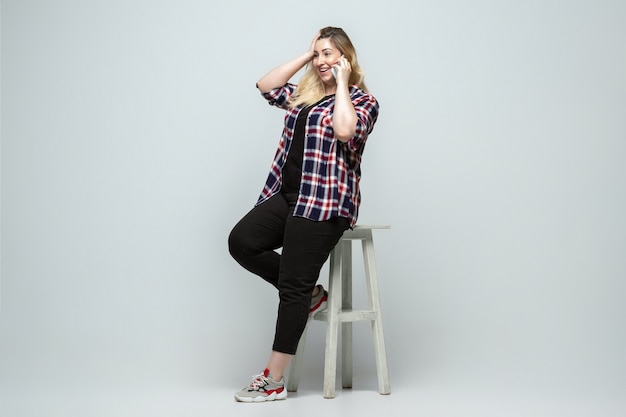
{"x": 349, "y": 315}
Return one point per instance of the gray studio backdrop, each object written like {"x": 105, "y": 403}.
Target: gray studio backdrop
{"x": 133, "y": 138}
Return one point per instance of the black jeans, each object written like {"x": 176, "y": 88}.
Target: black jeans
{"x": 306, "y": 245}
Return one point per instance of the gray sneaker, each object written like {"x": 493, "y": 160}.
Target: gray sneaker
{"x": 263, "y": 388}
{"x": 319, "y": 302}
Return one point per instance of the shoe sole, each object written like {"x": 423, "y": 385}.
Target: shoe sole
{"x": 261, "y": 399}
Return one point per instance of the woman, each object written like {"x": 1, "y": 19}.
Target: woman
{"x": 312, "y": 192}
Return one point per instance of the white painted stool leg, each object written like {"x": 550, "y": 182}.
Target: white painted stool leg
{"x": 346, "y": 303}
{"x": 296, "y": 364}
{"x": 377, "y": 324}
{"x": 332, "y": 325}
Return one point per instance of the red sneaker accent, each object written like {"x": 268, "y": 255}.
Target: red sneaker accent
{"x": 316, "y": 306}
{"x": 277, "y": 391}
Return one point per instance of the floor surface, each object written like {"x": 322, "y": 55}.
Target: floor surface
{"x": 159, "y": 400}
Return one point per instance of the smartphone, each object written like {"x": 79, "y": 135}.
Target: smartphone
{"x": 334, "y": 70}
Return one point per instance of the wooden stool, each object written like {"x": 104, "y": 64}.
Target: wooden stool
{"x": 340, "y": 310}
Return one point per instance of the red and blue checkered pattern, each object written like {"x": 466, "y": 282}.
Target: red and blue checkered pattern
{"x": 331, "y": 170}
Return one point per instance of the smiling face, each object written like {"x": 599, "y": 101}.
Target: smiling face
{"x": 325, "y": 56}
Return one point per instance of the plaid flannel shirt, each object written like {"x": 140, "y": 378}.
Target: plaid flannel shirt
{"x": 331, "y": 170}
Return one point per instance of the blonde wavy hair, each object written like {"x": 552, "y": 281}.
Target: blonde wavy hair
{"x": 311, "y": 88}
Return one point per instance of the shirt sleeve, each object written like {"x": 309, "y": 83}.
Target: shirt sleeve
{"x": 280, "y": 96}
{"x": 366, "y": 108}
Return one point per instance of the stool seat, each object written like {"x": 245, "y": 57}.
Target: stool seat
{"x": 340, "y": 311}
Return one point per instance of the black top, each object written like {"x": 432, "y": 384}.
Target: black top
{"x": 292, "y": 171}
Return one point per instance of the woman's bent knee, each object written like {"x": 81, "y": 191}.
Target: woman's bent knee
{"x": 236, "y": 243}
